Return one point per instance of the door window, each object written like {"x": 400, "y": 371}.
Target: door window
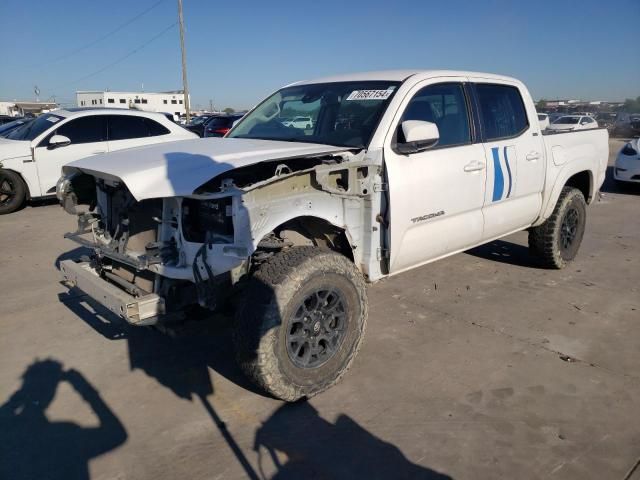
{"x": 443, "y": 104}
{"x": 502, "y": 111}
{"x": 125, "y": 127}
{"x": 84, "y": 130}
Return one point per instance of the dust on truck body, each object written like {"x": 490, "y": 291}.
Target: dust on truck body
{"x": 395, "y": 170}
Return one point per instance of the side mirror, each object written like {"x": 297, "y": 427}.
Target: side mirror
{"x": 419, "y": 135}
{"x": 58, "y": 141}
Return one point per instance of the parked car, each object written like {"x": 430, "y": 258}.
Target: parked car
{"x": 219, "y": 125}
{"x": 7, "y": 127}
{"x": 7, "y": 119}
{"x": 299, "y": 122}
{"x": 294, "y": 223}
{"x": 196, "y": 125}
{"x": 554, "y": 116}
{"x": 627, "y": 166}
{"x": 543, "y": 120}
{"x": 32, "y": 155}
{"x": 626, "y": 125}
{"x": 606, "y": 119}
{"x": 573, "y": 122}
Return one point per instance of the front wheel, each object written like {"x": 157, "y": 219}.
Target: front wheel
{"x": 301, "y": 322}
{"x": 556, "y": 242}
{"x": 13, "y": 192}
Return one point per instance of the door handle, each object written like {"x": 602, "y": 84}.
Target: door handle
{"x": 95, "y": 152}
{"x": 474, "y": 166}
{"x": 531, "y": 156}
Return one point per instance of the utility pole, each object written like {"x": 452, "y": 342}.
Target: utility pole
{"x": 211, "y": 106}
{"x": 185, "y": 85}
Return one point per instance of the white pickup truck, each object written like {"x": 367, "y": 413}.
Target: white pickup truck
{"x": 401, "y": 168}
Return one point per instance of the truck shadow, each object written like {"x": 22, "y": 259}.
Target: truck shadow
{"x": 178, "y": 357}
{"x": 503, "y": 251}
{"x": 32, "y": 446}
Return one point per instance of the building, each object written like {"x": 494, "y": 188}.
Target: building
{"x": 165, "y": 102}
{"x": 20, "y": 109}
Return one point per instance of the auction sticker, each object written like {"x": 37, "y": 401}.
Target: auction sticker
{"x": 369, "y": 94}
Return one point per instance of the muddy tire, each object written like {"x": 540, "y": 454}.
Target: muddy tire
{"x": 556, "y": 242}
{"x": 13, "y": 192}
{"x": 301, "y": 322}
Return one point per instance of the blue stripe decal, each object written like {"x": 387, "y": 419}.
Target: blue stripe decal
{"x": 498, "y": 182}
{"x": 506, "y": 161}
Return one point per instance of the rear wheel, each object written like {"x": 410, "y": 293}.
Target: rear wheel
{"x": 301, "y": 323}
{"x": 13, "y": 192}
{"x": 557, "y": 241}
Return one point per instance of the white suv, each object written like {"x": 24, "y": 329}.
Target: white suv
{"x": 573, "y": 122}
{"x": 32, "y": 155}
{"x": 299, "y": 122}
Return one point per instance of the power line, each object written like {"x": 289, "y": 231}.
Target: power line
{"x": 121, "y": 59}
{"x": 104, "y": 37}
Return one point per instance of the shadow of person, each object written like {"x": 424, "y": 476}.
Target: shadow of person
{"x": 315, "y": 448}
{"x": 33, "y": 447}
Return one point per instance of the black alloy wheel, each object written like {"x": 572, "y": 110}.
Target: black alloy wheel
{"x": 316, "y": 330}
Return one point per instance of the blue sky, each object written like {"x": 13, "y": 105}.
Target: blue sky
{"x": 238, "y": 52}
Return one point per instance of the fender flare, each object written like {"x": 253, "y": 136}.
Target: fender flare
{"x": 561, "y": 180}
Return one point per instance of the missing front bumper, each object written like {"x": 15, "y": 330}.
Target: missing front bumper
{"x": 143, "y": 310}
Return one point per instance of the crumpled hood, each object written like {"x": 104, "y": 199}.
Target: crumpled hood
{"x": 178, "y": 168}
{"x": 14, "y": 149}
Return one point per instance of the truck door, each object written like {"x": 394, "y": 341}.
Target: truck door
{"x": 436, "y": 195}
{"x": 88, "y": 136}
{"x": 514, "y": 153}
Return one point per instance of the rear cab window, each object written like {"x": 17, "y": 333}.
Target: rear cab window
{"x": 502, "y": 111}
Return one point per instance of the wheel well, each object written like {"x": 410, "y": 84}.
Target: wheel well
{"x": 581, "y": 181}
{"x": 314, "y": 231}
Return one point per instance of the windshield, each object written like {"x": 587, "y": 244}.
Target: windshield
{"x": 342, "y": 113}
{"x": 31, "y": 130}
{"x": 198, "y": 120}
{"x": 4, "y": 129}
{"x": 567, "y": 120}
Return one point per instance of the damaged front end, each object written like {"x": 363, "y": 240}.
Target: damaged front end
{"x": 154, "y": 257}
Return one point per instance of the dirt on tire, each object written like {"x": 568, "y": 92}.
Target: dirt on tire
{"x": 545, "y": 239}
{"x": 274, "y": 291}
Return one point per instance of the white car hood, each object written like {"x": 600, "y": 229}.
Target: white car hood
{"x": 174, "y": 169}
{"x": 14, "y": 149}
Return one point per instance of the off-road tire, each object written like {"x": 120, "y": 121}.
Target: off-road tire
{"x": 14, "y": 182}
{"x": 273, "y": 296}
{"x": 545, "y": 241}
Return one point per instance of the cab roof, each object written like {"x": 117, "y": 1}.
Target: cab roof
{"x": 400, "y": 76}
